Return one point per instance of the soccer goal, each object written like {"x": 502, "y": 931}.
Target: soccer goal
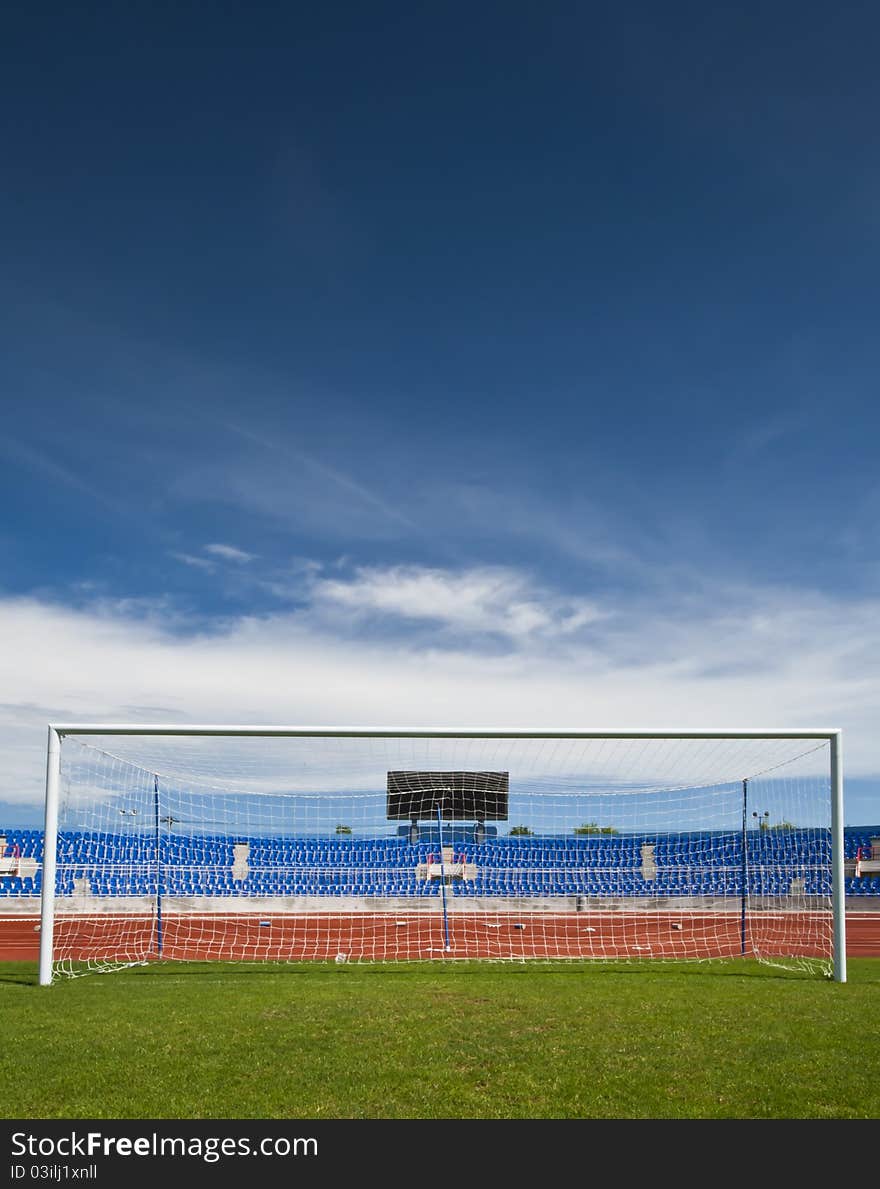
{"x": 284, "y": 844}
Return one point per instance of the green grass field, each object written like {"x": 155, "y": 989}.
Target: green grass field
{"x": 734, "y": 1040}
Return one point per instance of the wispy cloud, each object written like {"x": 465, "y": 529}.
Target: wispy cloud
{"x": 599, "y": 536}
{"x": 293, "y": 485}
{"x": 48, "y": 468}
{"x": 770, "y": 433}
{"x": 216, "y": 553}
{"x": 198, "y": 563}
{"x": 229, "y": 553}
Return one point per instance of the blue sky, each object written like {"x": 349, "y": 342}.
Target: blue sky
{"x": 493, "y": 363}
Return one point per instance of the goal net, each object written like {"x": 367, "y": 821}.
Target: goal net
{"x": 284, "y": 845}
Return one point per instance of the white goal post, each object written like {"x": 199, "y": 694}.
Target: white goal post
{"x": 291, "y": 843}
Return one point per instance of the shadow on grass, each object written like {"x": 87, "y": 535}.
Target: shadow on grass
{"x": 19, "y": 980}
{"x": 746, "y": 968}
{"x": 868, "y": 969}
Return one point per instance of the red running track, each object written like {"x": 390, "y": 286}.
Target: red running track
{"x": 421, "y": 936}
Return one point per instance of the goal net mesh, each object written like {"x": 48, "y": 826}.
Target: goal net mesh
{"x": 423, "y": 847}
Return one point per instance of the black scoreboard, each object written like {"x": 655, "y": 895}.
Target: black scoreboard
{"x": 459, "y": 796}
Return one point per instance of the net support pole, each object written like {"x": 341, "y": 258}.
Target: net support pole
{"x": 50, "y": 858}
{"x": 838, "y": 888}
{"x": 745, "y": 868}
{"x": 443, "y": 881}
{"x": 158, "y": 868}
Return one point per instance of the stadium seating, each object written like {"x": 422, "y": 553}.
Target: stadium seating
{"x": 671, "y": 865}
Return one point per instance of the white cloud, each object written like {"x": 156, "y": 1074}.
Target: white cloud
{"x": 199, "y": 563}
{"x": 782, "y": 659}
{"x": 482, "y": 600}
{"x": 229, "y": 553}
{"x": 209, "y": 564}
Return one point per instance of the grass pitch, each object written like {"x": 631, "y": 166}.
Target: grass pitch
{"x": 734, "y": 1040}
